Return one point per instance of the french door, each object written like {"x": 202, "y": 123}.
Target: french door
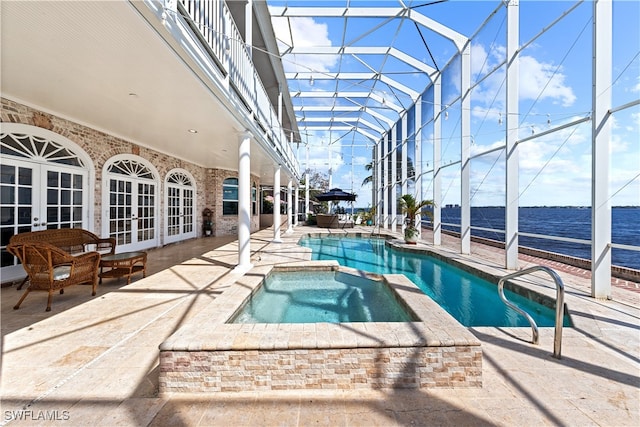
{"x": 180, "y": 205}
{"x": 38, "y": 196}
{"x": 131, "y": 205}
{"x": 132, "y": 213}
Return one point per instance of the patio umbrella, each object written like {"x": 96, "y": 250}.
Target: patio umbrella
{"x": 335, "y": 195}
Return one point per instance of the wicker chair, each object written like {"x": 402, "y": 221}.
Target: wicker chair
{"x": 50, "y": 269}
{"x": 72, "y": 240}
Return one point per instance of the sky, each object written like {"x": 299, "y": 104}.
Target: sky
{"x": 555, "y": 89}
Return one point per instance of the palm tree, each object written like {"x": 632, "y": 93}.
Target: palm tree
{"x": 411, "y": 208}
{"x": 369, "y": 179}
{"x": 411, "y": 171}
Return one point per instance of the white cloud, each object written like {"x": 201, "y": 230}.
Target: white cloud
{"x": 306, "y": 33}
{"x": 636, "y": 87}
{"x": 483, "y": 62}
{"x": 490, "y": 157}
{"x": 539, "y": 80}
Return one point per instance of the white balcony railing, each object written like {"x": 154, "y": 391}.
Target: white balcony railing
{"x": 214, "y": 25}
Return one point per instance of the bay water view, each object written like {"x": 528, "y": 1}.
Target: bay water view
{"x": 571, "y": 222}
{"x": 557, "y": 221}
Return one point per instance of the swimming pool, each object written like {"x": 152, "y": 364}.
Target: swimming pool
{"x": 323, "y": 296}
{"x": 471, "y": 300}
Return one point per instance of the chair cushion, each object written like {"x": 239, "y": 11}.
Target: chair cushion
{"x": 61, "y": 272}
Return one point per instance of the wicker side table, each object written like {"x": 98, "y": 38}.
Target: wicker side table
{"x": 123, "y": 264}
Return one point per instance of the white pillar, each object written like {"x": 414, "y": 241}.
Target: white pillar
{"x": 379, "y": 181}
{"x": 465, "y": 151}
{"x": 279, "y": 105}
{"x": 417, "y": 156}
{"x": 437, "y": 161}
{"x": 296, "y": 205}
{"x": 306, "y": 197}
{"x": 384, "y": 181}
{"x": 330, "y": 169}
{"x": 404, "y": 187}
{"x": 289, "y": 208}
{"x": 244, "y": 201}
{"x": 512, "y": 186}
{"x": 276, "y": 206}
{"x": 306, "y": 186}
{"x": 393, "y": 185}
{"x": 600, "y": 151}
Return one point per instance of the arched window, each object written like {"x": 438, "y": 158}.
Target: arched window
{"x": 230, "y": 196}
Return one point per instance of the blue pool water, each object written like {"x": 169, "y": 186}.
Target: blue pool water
{"x": 323, "y": 296}
{"x": 470, "y": 299}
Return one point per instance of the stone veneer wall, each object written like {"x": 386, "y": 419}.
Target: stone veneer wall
{"x": 101, "y": 147}
{"x": 343, "y": 369}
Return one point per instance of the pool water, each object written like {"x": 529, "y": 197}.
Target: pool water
{"x": 471, "y": 300}
{"x": 323, "y": 296}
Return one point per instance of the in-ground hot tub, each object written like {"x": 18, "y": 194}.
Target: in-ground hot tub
{"x": 209, "y": 354}
{"x": 322, "y": 296}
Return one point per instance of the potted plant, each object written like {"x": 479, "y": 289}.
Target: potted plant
{"x": 368, "y": 215}
{"x": 411, "y": 208}
{"x": 207, "y": 222}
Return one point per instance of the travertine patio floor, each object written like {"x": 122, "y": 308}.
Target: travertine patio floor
{"x": 92, "y": 361}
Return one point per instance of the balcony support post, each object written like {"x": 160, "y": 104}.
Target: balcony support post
{"x": 276, "y": 205}
{"x": 244, "y": 201}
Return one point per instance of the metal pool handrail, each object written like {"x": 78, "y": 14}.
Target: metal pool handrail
{"x": 557, "y": 340}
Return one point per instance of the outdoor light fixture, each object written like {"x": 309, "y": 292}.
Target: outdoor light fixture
{"x": 193, "y": 131}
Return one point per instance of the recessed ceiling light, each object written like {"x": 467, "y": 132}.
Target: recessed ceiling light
{"x": 193, "y": 131}
{"x": 133, "y": 95}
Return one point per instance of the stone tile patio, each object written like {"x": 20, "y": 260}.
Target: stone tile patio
{"x": 94, "y": 360}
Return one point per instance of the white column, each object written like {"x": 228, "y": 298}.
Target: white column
{"x": 404, "y": 188}
{"x": 437, "y": 161}
{"x": 296, "y": 205}
{"x": 276, "y": 206}
{"x": 330, "y": 169}
{"x": 383, "y": 181}
{"x": 512, "y": 186}
{"x": 306, "y": 186}
{"x": 379, "y": 182}
{"x": 393, "y": 185}
{"x": 244, "y": 201}
{"x": 289, "y": 208}
{"x": 417, "y": 157}
{"x": 280, "y": 105}
{"x": 600, "y": 151}
{"x": 465, "y": 154}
